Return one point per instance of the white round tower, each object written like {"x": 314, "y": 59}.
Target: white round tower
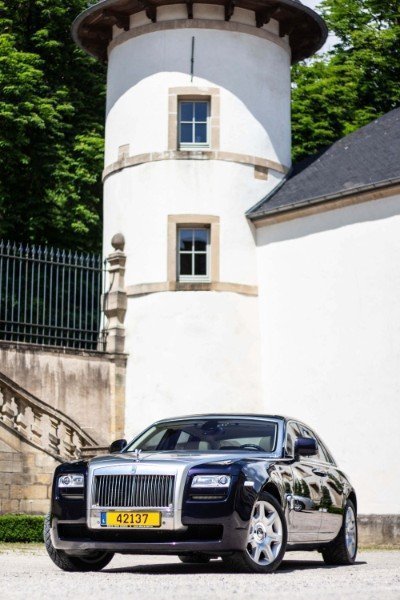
{"x": 197, "y": 132}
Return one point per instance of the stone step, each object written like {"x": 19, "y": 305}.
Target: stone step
{"x": 91, "y": 451}
{"x": 34, "y": 439}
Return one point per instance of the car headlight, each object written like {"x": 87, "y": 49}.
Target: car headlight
{"x": 71, "y": 481}
{"x": 211, "y": 481}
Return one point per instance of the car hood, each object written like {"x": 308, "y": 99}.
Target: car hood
{"x": 175, "y": 458}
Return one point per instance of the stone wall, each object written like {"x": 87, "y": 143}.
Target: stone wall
{"x": 379, "y": 530}
{"x": 87, "y": 386}
{"x": 25, "y": 476}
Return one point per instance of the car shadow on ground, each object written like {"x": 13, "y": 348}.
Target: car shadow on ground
{"x": 218, "y": 566}
{"x": 301, "y": 565}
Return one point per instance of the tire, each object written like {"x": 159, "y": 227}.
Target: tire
{"x": 93, "y": 561}
{"x": 194, "y": 559}
{"x": 267, "y": 539}
{"x": 343, "y": 549}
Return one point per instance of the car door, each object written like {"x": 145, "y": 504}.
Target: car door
{"x": 304, "y": 503}
{"x": 333, "y": 490}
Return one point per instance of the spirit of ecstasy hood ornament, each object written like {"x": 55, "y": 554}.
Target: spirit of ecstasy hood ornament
{"x": 137, "y": 454}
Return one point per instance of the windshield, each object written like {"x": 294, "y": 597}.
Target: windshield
{"x": 202, "y": 435}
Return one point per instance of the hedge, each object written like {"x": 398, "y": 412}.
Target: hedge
{"x": 21, "y": 528}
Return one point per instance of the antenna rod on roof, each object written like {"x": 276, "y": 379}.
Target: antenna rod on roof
{"x": 192, "y": 61}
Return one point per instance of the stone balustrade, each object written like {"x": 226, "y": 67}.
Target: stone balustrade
{"x": 41, "y": 425}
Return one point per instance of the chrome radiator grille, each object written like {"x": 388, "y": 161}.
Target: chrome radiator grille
{"x": 138, "y": 491}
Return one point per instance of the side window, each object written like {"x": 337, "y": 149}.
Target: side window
{"x": 321, "y": 456}
{"x": 328, "y": 457}
{"x": 292, "y": 433}
{"x": 305, "y": 432}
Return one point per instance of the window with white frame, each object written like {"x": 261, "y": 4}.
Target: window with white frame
{"x": 193, "y": 254}
{"x": 194, "y": 123}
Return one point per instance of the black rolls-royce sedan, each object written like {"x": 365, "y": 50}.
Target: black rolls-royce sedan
{"x": 245, "y": 488}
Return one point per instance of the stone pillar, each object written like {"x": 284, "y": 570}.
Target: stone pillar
{"x": 115, "y": 300}
{"x": 117, "y": 414}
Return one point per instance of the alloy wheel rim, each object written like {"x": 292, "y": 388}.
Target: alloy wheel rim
{"x": 351, "y": 532}
{"x": 264, "y": 541}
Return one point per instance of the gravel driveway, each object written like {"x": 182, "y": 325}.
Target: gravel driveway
{"x": 29, "y": 573}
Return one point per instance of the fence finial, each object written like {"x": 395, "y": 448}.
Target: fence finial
{"x": 118, "y": 241}
{"x": 115, "y": 300}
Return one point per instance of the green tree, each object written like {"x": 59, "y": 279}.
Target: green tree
{"x": 51, "y": 127}
{"x": 357, "y": 81}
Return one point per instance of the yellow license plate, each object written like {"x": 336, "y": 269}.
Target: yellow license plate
{"x": 130, "y": 519}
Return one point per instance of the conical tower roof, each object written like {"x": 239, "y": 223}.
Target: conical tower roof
{"x": 92, "y": 30}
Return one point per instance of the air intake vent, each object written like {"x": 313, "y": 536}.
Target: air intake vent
{"x": 133, "y": 491}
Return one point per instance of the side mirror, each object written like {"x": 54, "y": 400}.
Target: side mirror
{"x": 117, "y": 446}
{"x": 305, "y": 446}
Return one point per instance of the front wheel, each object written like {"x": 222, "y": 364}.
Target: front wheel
{"x": 266, "y": 539}
{"x": 343, "y": 549}
{"x": 92, "y": 561}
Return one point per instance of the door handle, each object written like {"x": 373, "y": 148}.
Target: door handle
{"x": 320, "y": 472}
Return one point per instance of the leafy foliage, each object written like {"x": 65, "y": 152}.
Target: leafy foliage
{"x": 52, "y": 107}
{"x": 21, "y": 528}
{"x": 51, "y": 127}
{"x": 355, "y": 82}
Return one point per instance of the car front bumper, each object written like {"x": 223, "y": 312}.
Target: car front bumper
{"x": 219, "y": 536}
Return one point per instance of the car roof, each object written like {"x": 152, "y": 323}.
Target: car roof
{"x": 225, "y": 415}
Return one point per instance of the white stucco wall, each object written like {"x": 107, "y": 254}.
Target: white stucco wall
{"x": 188, "y": 351}
{"x": 138, "y": 201}
{"x": 252, "y": 73}
{"x": 193, "y": 351}
{"x": 330, "y": 326}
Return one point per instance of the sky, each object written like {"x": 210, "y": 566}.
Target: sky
{"x": 311, "y": 3}
{"x": 331, "y": 38}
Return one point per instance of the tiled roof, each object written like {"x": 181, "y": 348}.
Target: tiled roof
{"x": 368, "y": 157}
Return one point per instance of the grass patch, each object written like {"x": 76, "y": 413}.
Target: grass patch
{"x": 21, "y": 548}
{"x": 21, "y": 528}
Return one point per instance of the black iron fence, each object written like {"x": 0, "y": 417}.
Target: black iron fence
{"x": 50, "y": 296}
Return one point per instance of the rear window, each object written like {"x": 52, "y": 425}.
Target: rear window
{"x": 214, "y": 435}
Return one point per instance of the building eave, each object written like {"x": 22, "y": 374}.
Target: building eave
{"x": 324, "y": 203}
{"x": 307, "y": 31}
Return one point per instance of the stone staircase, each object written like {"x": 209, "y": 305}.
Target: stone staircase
{"x": 44, "y": 427}
{"x": 34, "y": 438}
